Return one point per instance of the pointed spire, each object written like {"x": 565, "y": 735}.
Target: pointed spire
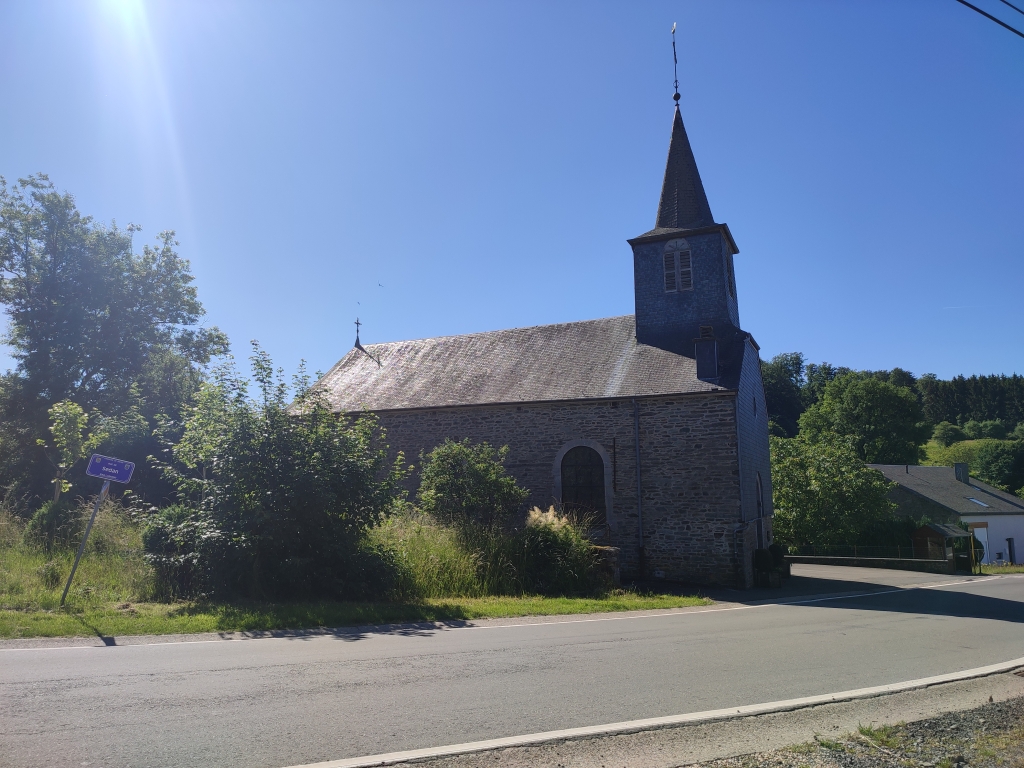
{"x": 684, "y": 205}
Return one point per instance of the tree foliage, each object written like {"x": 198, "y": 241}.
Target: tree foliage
{"x": 991, "y": 429}
{"x": 823, "y": 494}
{"x": 945, "y": 434}
{"x": 1001, "y": 462}
{"x": 783, "y": 378}
{"x": 467, "y": 484}
{"x": 71, "y": 441}
{"x": 91, "y": 321}
{"x": 975, "y": 398}
{"x": 883, "y": 421}
{"x": 282, "y": 490}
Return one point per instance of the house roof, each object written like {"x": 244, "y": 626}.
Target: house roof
{"x": 943, "y": 530}
{"x": 567, "y": 361}
{"x": 939, "y": 484}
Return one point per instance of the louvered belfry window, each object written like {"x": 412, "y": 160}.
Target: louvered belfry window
{"x": 677, "y": 267}
{"x": 685, "y": 272}
{"x": 671, "y": 284}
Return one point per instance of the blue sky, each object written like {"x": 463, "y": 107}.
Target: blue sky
{"x": 448, "y": 167}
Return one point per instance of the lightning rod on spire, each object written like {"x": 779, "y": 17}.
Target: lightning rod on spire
{"x": 675, "y": 66}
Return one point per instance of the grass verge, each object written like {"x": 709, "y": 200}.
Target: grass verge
{"x": 187, "y": 618}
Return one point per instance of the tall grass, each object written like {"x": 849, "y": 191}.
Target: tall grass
{"x": 32, "y": 576}
{"x": 551, "y": 555}
{"x": 435, "y": 561}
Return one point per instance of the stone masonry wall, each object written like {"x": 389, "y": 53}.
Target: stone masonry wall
{"x": 689, "y": 470}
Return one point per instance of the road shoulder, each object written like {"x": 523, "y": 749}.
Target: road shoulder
{"x": 704, "y": 742}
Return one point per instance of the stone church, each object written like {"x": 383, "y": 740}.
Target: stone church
{"x": 654, "y": 423}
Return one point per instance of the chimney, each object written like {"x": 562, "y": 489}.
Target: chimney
{"x": 707, "y": 355}
{"x": 962, "y": 472}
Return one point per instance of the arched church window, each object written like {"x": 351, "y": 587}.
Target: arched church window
{"x": 760, "y": 496}
{"x": 678, "y": 267}
{"x": 583, "y": 484}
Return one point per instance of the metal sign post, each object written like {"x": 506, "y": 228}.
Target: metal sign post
{"x": 109, "y": 469}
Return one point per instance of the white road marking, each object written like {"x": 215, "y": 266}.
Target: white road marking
{"x": 606, "y": 617}
{"x": 393, "y": 758}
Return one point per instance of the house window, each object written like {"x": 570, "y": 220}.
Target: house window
{"x": 678, "y": 267}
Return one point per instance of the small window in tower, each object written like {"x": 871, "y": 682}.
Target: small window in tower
{"x": 731, "y": 274}
{"x": 670, "y": 273}
{"x": 685, "y": 272}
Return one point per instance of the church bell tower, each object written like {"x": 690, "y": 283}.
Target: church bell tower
{"x": 683, "y": 273}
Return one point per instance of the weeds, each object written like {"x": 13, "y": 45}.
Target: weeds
{"x": 883, "y": 736}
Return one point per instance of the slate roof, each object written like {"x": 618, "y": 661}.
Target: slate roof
{"x": 946, "y": 531}
{"x": 939, "y": 484}
{"x": 567, "y": 361}
{"x": 684, "y": 204}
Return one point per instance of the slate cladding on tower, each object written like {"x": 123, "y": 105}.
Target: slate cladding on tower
{"x": 672, "y": 320}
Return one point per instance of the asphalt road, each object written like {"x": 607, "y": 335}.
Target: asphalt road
{"x": 287, "y": 701}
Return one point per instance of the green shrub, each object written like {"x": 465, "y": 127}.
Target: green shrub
{"x": 557, "y": 556}
{"x": 1018, "y": 432}
{"x": 993, "y": 429}
{"x": 286, "y": 488}
{"x": 180, "y": 544}
{"x": 464, "y": 484}
{"x": 55, "y": 524}
{"x": 945, "y": 434}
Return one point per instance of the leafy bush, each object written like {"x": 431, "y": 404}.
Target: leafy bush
{"x": 283, "y": 492}
{"x": 945, "y": 434}
{"x": 467, "y": 485}
{"x": 823, "y": 494}
{"x": 181, "y": 544}
{"x": 557, "y": 556}
{"x": 54, "y": 524}
{"x": 1018, "y": 432}
{"x": 993, "y": 429}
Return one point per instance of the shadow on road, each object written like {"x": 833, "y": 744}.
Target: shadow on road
{"x": 904, "y": 595}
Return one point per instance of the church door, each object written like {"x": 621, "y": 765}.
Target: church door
{"x": 583, "y": 484}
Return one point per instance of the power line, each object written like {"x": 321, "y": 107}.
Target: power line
{"x": 993, "y": 18}
{"x": 1018, "y": 10}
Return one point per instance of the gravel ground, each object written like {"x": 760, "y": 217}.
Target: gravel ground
{"x": 991, "y": 736}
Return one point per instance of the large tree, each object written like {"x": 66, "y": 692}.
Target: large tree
{"x": 89, "y": 319}
{"x": 783, "y": 378}
{"x": 883, "y": 422}
{"x": 823, "y": 494}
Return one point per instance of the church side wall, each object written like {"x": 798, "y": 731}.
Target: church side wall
{"x": 689, "y": 470}
{"x": 752, "y": 418}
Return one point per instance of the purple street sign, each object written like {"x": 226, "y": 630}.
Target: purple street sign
{"x": 110, "y": 469}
